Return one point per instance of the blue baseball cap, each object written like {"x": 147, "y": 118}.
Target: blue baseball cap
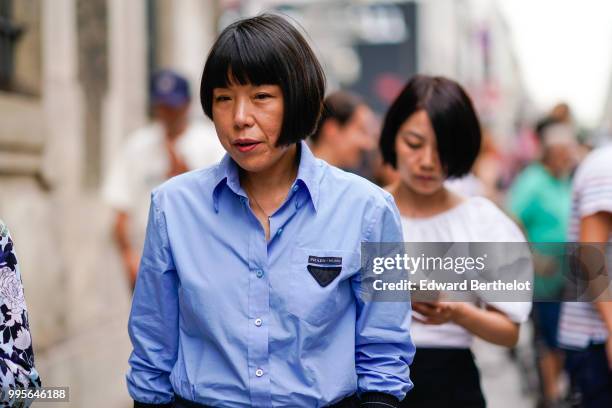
{"x": 169, "y": 88}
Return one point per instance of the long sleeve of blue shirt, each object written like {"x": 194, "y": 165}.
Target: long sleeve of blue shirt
{"x": 153, "y": 324}
{"x": 383, "y": 347}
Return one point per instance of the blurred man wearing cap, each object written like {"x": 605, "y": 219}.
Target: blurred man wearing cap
{"x": 169, "y": 146}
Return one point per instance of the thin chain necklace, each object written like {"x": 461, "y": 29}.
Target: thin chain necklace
{"x": 255, "y": 200}
{"x": 247, "y": 189}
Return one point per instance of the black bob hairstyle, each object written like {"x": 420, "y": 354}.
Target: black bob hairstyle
{"x": 268, "y": 50}
{"x": 452, "y": 117}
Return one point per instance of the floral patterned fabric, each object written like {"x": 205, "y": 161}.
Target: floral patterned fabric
{"x": 17, "y": 369}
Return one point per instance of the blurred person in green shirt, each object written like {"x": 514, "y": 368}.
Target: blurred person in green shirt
{"x": 540, "y": 200}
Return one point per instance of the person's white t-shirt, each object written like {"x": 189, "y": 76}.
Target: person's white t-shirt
{"x": 580, "y": 322}
{"x": 475, "y": 220}
{"x": 143, "y": 163}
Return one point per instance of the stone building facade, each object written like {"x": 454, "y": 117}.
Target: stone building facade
{"x": 76, "y": 85}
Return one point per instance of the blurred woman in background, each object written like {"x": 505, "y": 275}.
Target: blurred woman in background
{"x": 431, "y": 133}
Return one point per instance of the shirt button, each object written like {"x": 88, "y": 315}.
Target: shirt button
{"x": 279, "y": 231}
{"x": 259, "y": 372}
{"x": 258, "y": 322}
{"x": 295, "y": 188}
{"x": 259, "y": 273}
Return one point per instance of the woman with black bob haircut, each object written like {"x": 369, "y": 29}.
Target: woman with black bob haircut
{"x": 249, "y": 288}
{"x": 431, "y": 132}
{"x": 452, "y": 117}
{"x": 268, "y": 50}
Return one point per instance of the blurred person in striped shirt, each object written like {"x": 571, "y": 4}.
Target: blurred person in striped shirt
{"x": 584, "y": 329}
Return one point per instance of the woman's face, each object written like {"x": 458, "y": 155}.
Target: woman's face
{"x": 418, "y": 162}
{"x": 248, "y": 119}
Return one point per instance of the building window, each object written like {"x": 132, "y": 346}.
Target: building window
{"x": 10, "y": 33}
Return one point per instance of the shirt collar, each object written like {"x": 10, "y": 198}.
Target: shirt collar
{"x": 310, "y": 171}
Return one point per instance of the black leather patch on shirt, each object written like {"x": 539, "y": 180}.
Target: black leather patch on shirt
{"x": 324, "y": 275}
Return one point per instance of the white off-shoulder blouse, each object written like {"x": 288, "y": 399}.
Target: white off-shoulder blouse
{"x": 477, "y": 219}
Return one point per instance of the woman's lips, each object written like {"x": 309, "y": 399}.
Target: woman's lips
{"x": 246, "y": 146}
{"x": 426, "y": 178}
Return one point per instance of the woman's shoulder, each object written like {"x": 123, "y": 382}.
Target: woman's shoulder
{"x": 493, "y": 223}
{"x": 194, "y": 181}
{"x": 479, "y": 203}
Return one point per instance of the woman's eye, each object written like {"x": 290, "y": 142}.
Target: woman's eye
{"x": 222, "y": 98}
{"x": 262, "y": 95}
{"x": 413, "y": 144}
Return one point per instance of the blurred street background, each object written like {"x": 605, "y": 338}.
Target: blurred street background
{"x": 74, "y": 83}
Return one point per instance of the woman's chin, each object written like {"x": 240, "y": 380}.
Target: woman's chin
{"x": 252, "y": 164}
{"x": 427, "y": 190}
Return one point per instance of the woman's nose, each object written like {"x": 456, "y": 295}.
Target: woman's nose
{"x": 243, "y": 116}
{"x": 428, "y": 159}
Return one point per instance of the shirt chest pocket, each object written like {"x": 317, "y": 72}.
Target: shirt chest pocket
{"x": 319, "y": 278}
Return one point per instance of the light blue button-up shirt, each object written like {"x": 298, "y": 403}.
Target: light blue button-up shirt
{"x": 222, "y": 317}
